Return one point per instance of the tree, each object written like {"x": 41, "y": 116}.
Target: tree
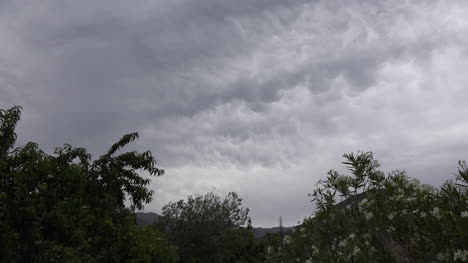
{"x": 65, "y": 206}
{"x": 151, "y": 246}
{"x": 208, "y": 228}
{"x": 389, "y": 218}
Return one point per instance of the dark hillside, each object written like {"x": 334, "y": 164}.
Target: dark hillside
{"x": 146, "y": 218}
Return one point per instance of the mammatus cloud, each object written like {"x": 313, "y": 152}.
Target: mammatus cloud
{"x": 258, "y": 97}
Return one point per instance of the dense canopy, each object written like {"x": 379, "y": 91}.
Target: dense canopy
{"x": 66, "y": 206}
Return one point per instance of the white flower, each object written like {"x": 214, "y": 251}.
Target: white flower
{"x": 368, "y": 215}
{"x": 391, "y": 215}
{"x": 459, "y": 254}
{"x": 363, "y": 201}
{"x": 287, "y": 239}
{"x": 415, "y": 181}
{"x": 423, "y": 214}
{"x": 269, "y": 250}
{"x": 464, "y": 214}
{"x": 342, "y": 243}
{"x": 427, "y": 187}
{"x": 315, "y": 251}
{"x": 356, "y": 251}
{"x": 367, "y": 243}
{"x": 352, "y": 236}
{"x": 308, "y": 260}
{"x": 436, "y": 212}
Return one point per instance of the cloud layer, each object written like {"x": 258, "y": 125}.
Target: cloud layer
{"x": 254, "y": 96}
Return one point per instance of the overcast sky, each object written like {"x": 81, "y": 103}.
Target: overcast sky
{"x": 260, "y": 97}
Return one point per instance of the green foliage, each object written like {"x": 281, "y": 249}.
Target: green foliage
{"x": 209, "y": 229}
{"x": 151, "y": 246}
{"x": 8, "y": 120}
{"x": 65, "y": 207}
{"x": 384, "y": 218}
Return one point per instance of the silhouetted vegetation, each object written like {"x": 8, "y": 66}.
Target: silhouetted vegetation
{"x": 208, "y": 228}
{"x": 383, "y": 218}
{"x": 67, "y": 207}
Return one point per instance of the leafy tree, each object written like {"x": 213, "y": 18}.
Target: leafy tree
{"x": 66, "y": 207}
{"x": 208, "y": 228}
{"x": 151, "y": 246}
{"x": 389, "y": 218}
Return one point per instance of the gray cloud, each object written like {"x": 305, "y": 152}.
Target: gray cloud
{"x": 257, "y": 96}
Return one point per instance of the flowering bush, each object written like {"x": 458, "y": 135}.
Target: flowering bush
{"x": 383, "y": 218}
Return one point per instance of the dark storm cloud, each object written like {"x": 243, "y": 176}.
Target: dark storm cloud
{"x": 100, "y": 63}
{"x": 256, "y": 96}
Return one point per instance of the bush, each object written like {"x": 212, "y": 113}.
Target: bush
{"x": 389, "y": 218}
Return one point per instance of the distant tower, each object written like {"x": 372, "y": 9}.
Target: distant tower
{"x": 281, "y": 234}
